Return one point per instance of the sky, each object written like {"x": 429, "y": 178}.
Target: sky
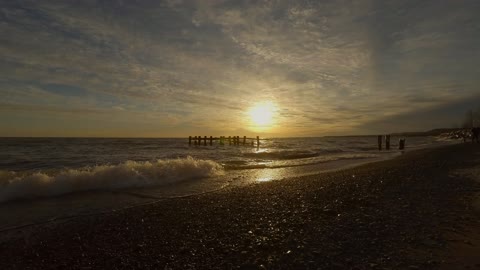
{"x": 176, "y": 68}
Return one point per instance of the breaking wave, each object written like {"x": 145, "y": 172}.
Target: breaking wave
{"x": 131, "y": 174}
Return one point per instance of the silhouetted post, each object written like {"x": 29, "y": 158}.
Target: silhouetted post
{"x": 229, "y": 140}
{"x": 199, "y": 140}
{"x": 205, "y": 141}
{"x": 401, "y": 144}
{"x": 189, "y": 140}
{"x": 238, "y": 140}
{"x": 258, "y": 141}
{"x": 379, "y": 142}
{"x": 211, "y": 140}
{"x": 244, "y": 139}
{"x": 195, "y": 140}
{"x": 471, "y": 117}
{"x": 387, "y": 142}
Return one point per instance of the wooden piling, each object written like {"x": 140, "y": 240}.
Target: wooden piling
{"x": 232, "y": 140}
{"x": 387, "y": 142}
{"x": 379, "y": 142}
{"x": 401, "y": 144}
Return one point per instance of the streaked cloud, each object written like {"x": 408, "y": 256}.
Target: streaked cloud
{"x": 174, "y": 67}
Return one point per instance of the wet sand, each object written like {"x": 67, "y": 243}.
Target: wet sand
{"x": 413, "y": 212}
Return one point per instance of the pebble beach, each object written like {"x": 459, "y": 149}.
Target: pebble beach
{"x": 416, "y": 211}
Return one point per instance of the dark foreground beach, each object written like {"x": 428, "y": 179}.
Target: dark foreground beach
{"x": 413, "y": 212}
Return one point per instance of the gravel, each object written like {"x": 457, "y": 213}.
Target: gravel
{"x": 387, "y": 215}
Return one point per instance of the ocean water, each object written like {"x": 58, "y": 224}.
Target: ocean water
{"x": 42, "y": 177}
{"x": 39, "y": 167}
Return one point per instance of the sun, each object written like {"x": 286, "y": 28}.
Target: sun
{"x": 262, "y": 114}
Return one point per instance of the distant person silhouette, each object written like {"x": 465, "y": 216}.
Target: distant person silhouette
{"x": 475, "y": 133}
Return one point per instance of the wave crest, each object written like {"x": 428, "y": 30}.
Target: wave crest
{"x": 130, "y": 174}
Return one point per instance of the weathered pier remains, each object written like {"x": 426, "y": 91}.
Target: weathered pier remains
{"x": 232, "y": 140}
{"x": 401, "y": 142}
{"x": 387, "y": 142}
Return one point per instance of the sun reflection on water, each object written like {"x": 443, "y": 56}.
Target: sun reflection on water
{"x": 268, "y": 175}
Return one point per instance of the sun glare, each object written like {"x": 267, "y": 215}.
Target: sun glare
{"x": 262, "y": 114}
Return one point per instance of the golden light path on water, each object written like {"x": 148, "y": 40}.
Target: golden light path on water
{"x": 266, "y": 176}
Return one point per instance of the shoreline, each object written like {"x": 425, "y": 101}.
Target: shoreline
{"x": 75, "y": 204}
{"x": 366, "y": 217}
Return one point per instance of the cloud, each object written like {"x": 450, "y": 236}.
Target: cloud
{"x": 331, "y": 65}
{"x": 444, "y": 115}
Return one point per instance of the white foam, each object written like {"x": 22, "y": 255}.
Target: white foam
{"x": 130, "y": 174}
